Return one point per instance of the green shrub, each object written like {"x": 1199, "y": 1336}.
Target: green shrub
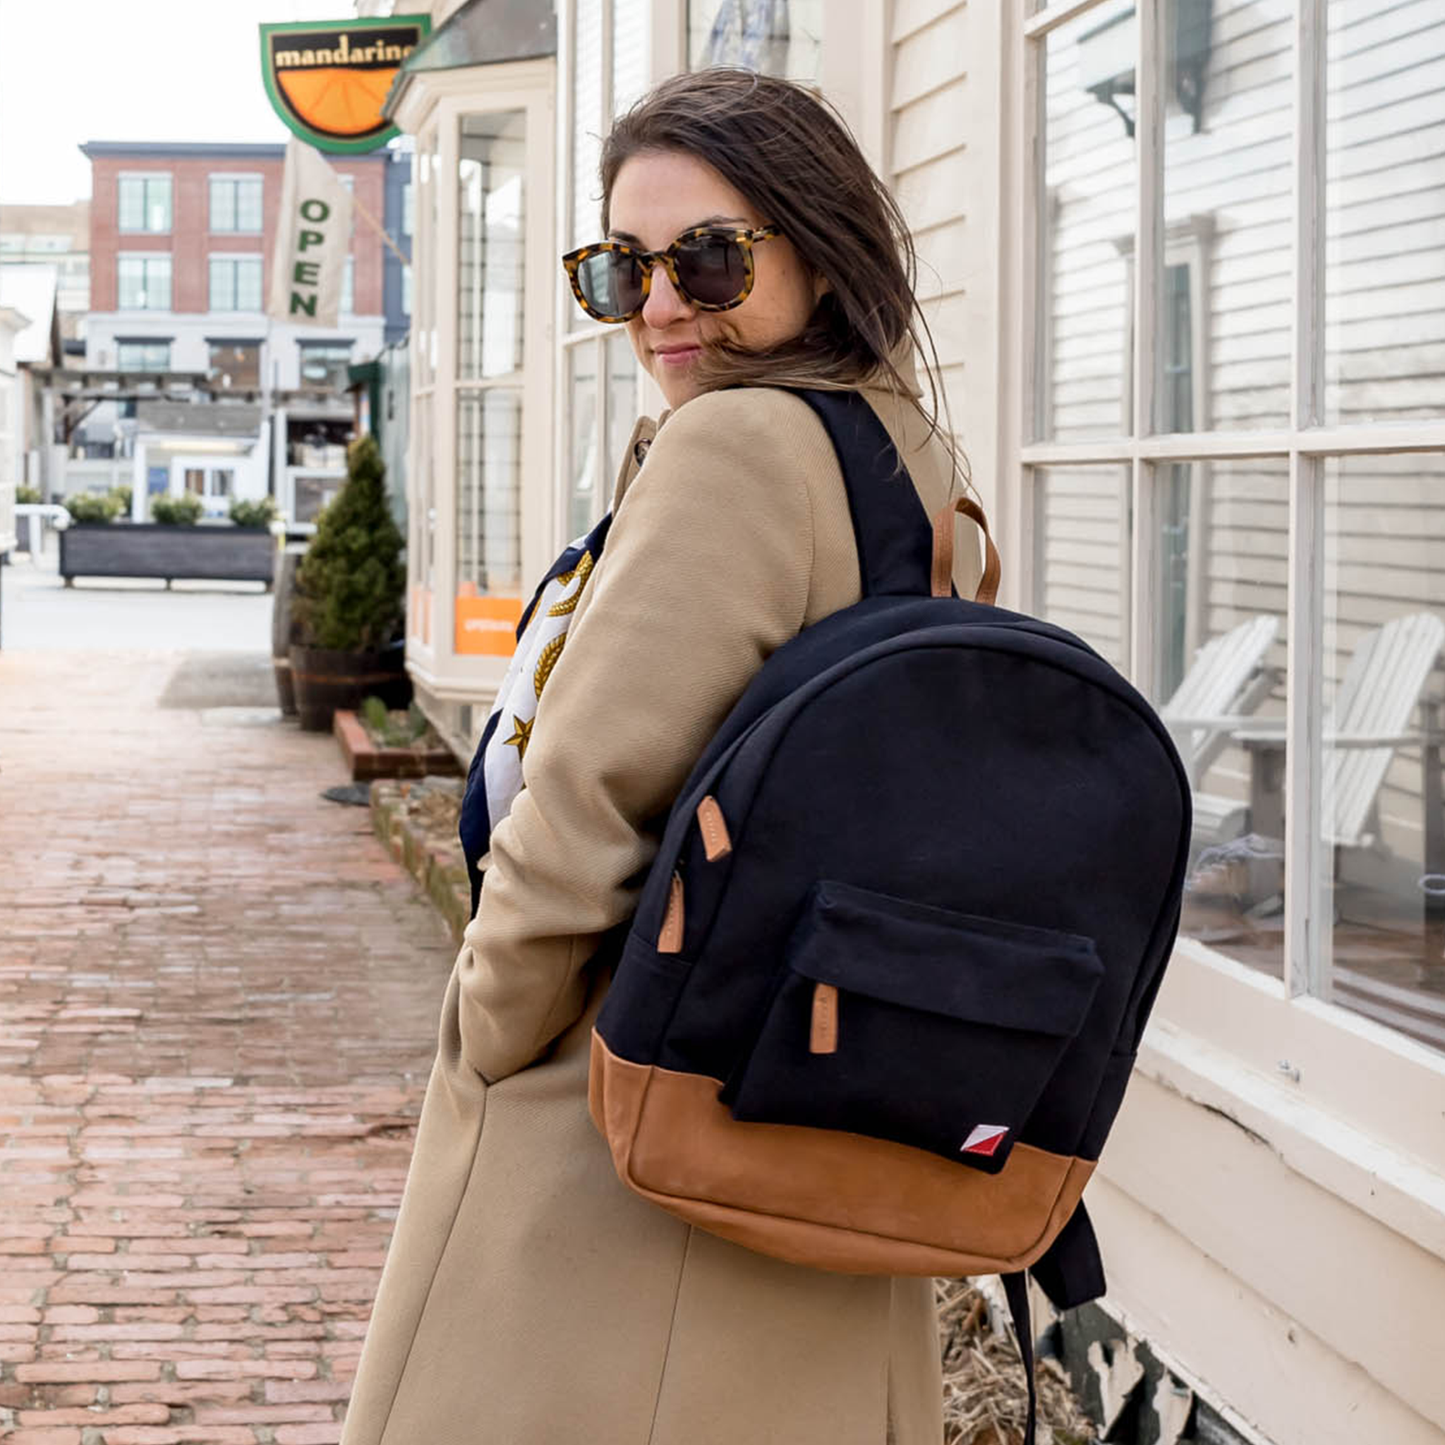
{"x": 122, "y": 496}
{"x": 28, "y": 494}
{"x": 182, "y": 511}
{"x": 393, "y": 730}
{"x": 351, "y": 582}
{"x": 254, "y": 514}
{"x": 87, "y": 507}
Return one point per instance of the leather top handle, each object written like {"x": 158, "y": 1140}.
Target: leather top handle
{"x": 943, "y": 551}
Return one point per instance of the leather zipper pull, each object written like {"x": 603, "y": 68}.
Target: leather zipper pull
{"x": 715, "y": 840}
{"x": 669, "y": 940}
{"x": 824, "y": 1036}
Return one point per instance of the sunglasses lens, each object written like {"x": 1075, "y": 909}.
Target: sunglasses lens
{"x": 712, "y": 269}
{"x": 612, "y": 282}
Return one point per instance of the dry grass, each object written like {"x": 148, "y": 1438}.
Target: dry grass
{"x": 985, "y": 1399}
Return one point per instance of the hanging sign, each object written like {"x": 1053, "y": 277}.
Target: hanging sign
{"x": 328, "y": 79}
{"x": 313, "y": 235}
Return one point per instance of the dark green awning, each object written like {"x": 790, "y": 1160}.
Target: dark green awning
{"x": 482, "y": 32}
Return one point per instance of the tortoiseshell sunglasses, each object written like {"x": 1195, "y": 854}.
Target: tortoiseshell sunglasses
{"x": 710, "y": 266}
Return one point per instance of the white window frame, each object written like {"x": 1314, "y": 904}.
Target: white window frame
{"x": 144, "y": 230}
{"x": 433, "y": 109}
{"x": 252, "y": 257}
{"x": 1222, "y": 1033}
{"x": 234, "y": 177}
{"x": 148, "y": 257}
{"x": 571, "y": 334}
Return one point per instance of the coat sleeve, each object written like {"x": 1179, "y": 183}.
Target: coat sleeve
{"x": 706, "y": 572}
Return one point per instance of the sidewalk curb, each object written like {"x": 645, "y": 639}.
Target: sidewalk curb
{"x": 418, "y": 823}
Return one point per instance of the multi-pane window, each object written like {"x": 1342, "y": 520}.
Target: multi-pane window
{"x": 324, "y": 363}
{"x": 143, "y": 355}
{"x": 490, "y": 257}
{"x": 143, "y": 282}
{"x": 235, "y": 204}
{"x": 1223, "y": 271}
{"x": 235, "y": 283}
{"x": 600, "y": 397}
{"x": 408, "y": 208}
{"x": 145, "y": 203}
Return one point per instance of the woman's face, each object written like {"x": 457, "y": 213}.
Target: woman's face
{"x": 658, "y": 195}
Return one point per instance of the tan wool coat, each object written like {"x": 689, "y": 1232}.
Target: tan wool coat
{"x": 528, "y": 1297}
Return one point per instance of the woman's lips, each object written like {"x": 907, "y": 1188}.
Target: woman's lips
{"x": 677, "y": 355}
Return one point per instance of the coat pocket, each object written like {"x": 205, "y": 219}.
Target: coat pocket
{"x": 913, "y": 1023}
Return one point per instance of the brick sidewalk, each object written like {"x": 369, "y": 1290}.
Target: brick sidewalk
{"x": 218, "y": 1002}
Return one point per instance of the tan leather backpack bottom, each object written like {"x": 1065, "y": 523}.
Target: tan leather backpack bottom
{"x": 824, "y": 1198}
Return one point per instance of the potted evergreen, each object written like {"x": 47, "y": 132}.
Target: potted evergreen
{"x": 347, "y": 615}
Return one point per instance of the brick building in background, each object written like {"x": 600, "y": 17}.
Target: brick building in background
{"x": 181, "y": 243}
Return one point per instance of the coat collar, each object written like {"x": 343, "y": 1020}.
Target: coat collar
{"x": 647, "y": 429}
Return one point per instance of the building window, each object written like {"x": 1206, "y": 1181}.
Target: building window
{"x": 235, "y": 283}
{"x": 406, "y": 290}
{"x": 235, "y": 364}
{"x": 145, "y": 203}
{"x": 236, "y": 204}
{"x": 490, "y": 171}
{"x": 1189, "y": 531}
{"x": 144, "y": 282}
{"x": 324, "y": 363}
{"x": 408, "y": 208}
{"x": 213, "y": 482}
{"x": 143, "y": 355}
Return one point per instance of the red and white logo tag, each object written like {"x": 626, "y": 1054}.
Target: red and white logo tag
{"x": 984, "y": 1139}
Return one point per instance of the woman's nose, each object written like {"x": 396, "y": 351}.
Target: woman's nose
{"x": 663, "y": 305}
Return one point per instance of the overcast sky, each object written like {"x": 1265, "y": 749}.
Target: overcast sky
{"x": 165, "y": 70}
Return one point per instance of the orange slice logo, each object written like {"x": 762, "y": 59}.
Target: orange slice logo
{"x": 328, "y": 81}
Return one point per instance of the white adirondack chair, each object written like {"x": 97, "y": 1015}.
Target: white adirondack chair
{"x": 1370, "y": 717}
{"x": 1225, "y": 682}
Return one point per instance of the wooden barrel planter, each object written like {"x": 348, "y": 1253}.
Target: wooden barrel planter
{"x": 283, "y": 593}
{"x": 325, "y": 680}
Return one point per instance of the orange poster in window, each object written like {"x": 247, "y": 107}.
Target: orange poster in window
{"x": 487, "y": 626}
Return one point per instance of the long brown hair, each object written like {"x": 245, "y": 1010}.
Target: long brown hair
{"x": 792, "y": 155}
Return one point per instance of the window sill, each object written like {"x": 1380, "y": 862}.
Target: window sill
{"x": 1341, "y": 1100}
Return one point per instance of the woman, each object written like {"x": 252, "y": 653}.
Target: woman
{"x": 528, "y": 1297}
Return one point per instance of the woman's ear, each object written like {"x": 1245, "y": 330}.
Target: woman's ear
{"x": 821, "y": 286}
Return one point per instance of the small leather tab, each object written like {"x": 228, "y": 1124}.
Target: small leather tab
{"x": 669, "y": 940}
{"x": 824, "y": 1036}
{"x": 716, "y": 842}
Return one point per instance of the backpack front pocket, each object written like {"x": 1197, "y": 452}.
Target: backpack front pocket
{"x": 914, "y": 1023}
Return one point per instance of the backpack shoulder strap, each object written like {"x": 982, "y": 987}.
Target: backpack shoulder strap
{"x": 891, "y": 527}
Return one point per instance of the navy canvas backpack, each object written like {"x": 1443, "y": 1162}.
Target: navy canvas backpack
{"x": 889, "y": 970}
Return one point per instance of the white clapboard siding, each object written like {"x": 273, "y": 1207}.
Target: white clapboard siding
{"x": 930, "y": 57}
{"x": 940, "y": 134}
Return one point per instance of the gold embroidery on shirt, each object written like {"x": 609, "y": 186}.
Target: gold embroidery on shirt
{"x": 582, "y": 571}
{"x": 548, "y": 661}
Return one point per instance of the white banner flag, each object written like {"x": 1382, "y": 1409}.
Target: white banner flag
{"x": 313, "y": 234}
